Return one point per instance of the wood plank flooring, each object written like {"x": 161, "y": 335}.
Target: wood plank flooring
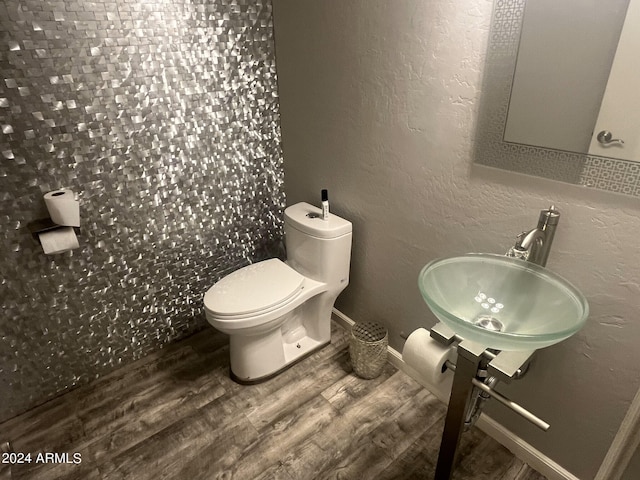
{"x": 177, "y": 415}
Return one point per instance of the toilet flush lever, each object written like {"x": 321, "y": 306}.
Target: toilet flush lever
{"x": 605, "y": 137}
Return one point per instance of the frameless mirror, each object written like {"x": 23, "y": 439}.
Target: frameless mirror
{"x": 560, "y": 97}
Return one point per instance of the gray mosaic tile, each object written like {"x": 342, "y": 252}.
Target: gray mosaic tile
{"x": 163, "y": 117}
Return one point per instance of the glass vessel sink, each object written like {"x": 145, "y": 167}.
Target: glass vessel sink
{"x": 502, "y": 303}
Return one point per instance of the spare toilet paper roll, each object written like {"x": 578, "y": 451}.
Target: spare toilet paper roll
{"x": 63, "y": 207}
{"x": 427, "y": 357}
{"x": 58, "y": 240}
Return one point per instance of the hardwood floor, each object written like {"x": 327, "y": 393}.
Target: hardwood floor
{"x": 177, "y": 415}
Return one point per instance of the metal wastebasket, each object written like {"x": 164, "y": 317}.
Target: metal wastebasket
{"x": 368, "y": 349}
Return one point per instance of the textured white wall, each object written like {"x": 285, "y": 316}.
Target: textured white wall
{"x": 379, "y": 103}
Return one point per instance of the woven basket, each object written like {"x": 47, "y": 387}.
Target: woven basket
{"x": 368, "y": 349}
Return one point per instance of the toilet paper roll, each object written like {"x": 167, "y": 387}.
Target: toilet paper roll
{"x": 58, "y": 240}
{"x": 426, "y": 357}
{"x": 63, "y": 207}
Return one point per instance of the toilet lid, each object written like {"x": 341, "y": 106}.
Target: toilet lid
{"x": 256, "y": 287}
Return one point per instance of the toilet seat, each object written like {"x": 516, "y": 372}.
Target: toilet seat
{"x": 254, "y": 289}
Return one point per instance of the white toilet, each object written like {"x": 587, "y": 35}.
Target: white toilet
{"x": 275, "y": 312}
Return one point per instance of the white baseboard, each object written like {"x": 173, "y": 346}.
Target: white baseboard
{"x": 521, "y": 449}
{"x": 342, "y": 319}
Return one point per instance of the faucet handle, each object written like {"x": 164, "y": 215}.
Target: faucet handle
{"x": 551, "y": 216}
{"x": 516, "y": 252}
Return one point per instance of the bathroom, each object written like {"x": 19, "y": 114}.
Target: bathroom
{"x": 186, "y": 127}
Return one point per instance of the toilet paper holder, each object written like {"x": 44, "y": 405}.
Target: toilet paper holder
{"x": 504, "y": 365}
{"x": 59, "y": 232}
{"x": 45, "y": 225}
{"x": 59, "y": 238}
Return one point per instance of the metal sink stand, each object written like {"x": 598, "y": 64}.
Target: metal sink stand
{"x": 474, "y": 366}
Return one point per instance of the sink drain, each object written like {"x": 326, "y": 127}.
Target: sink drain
{"x": 489, "y": 323}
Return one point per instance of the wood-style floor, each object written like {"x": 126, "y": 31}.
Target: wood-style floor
{"x": 177, "y": 415}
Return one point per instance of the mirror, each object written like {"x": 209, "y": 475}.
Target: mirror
{"x": 530, "y": 122}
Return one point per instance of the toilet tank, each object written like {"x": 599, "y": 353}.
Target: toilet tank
{"x": 318, "y": 249}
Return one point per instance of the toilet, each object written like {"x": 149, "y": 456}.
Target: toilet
{"x": 276, "y": 313}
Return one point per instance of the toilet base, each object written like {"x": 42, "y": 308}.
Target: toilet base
{"x": 294, "y": 359}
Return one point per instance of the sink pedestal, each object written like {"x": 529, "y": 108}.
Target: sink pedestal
{"x": 469, "y": 359}
{"x": 474, "y": 363}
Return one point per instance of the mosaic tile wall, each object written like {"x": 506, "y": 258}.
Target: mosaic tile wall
{"x": 163, "y": 117}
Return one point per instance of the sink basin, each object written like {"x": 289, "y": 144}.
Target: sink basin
{"x": 502, "y": 303}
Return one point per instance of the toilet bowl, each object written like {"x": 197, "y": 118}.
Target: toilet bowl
{"x": 276, "y": 312}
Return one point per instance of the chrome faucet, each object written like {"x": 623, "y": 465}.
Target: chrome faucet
{"x": 535, "y": 245}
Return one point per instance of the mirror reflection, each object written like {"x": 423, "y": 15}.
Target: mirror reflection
{"x": 575, "y": 82}
{"x": 605, "y": 153}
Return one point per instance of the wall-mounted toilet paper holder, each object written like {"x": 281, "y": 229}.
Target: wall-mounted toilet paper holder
{"x": 477, "y": 371}
{"x": 45, "y": 225}
{"x": 58, "y": 233}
